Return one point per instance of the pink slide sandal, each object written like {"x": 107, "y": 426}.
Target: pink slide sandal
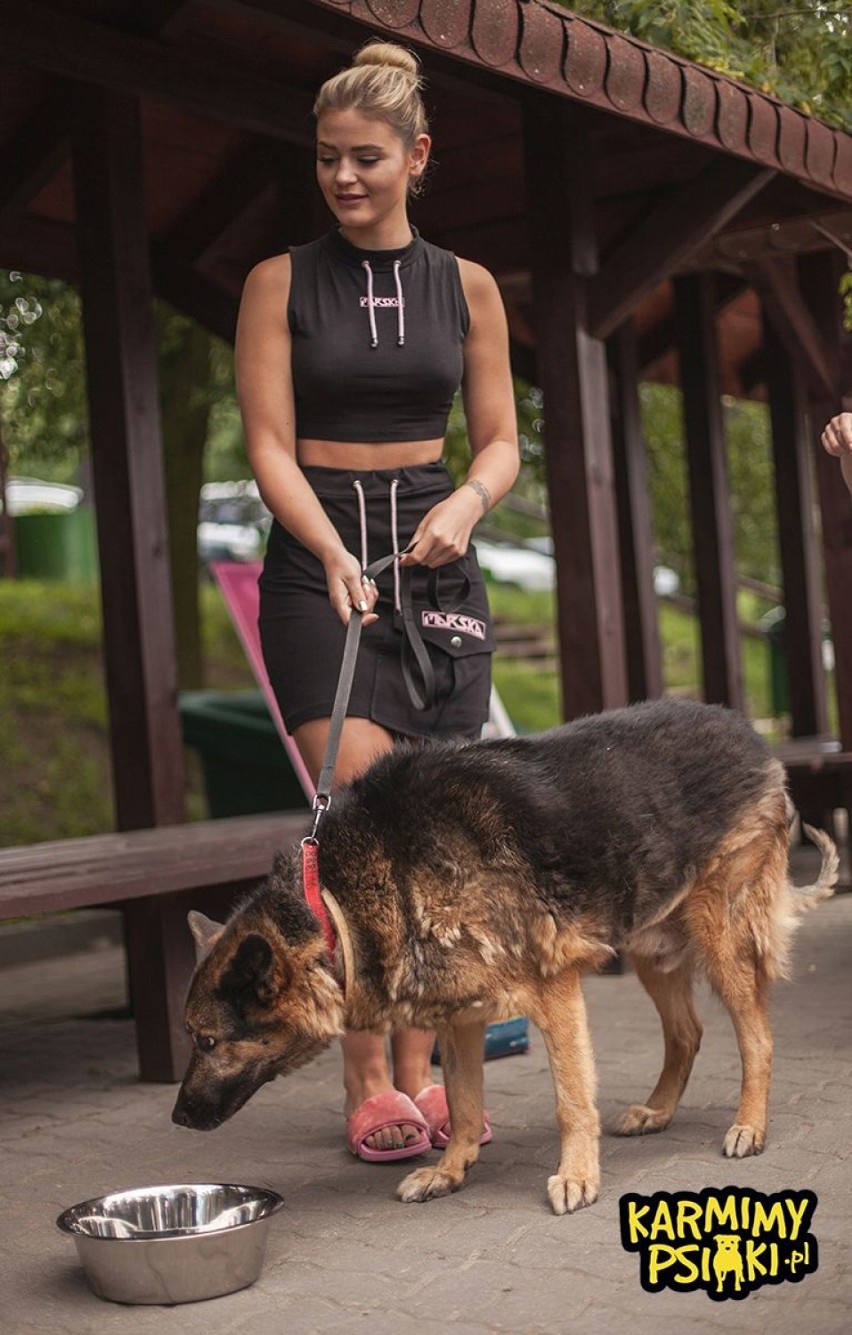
{"x": 432, "y": 1103}
{"x": 388, "y": 1109}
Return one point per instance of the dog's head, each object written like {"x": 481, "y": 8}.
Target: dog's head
{"x": 262, "y": 1000}
{"x": 727, "y": 1244}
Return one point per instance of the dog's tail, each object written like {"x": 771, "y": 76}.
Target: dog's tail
{"x": 806, "y": 896}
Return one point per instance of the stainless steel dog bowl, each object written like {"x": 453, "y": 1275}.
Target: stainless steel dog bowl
{"x": 172, "y": 1244}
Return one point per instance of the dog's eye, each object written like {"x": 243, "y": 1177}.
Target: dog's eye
{"x": 205, "y": 1042}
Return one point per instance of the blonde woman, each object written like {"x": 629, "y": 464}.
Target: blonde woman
{"x": 349, "y": 352}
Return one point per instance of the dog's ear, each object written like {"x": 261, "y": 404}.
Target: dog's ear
{"x": 255, "y": 975}
{"x": 205, "y": 933}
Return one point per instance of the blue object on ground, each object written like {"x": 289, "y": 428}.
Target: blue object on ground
{"x": 506, "y": 1038}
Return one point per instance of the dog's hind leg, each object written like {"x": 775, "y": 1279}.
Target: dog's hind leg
{"x": 741, "y": 920}
{"x": 743, "y": 986}
{"x": 671, "y": 993}
{"x": 462, "y": 1051}
{"x": 559, "y": 1011}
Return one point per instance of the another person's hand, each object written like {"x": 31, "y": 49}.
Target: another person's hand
{"x": 347, "y": 589}
{"x": 837, "y": 436}
{"x": 837, "y": 440}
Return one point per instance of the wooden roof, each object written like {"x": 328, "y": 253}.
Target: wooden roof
{"x": 226, "y": 89}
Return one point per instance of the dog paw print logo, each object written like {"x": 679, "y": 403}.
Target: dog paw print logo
{"x": 728, "y": 1241}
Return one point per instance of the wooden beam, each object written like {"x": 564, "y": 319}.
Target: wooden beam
{"x": 166, "y": 17}
{"x": 658, "y": 340}
{"x": 819, "y": 277}
{"x": 35, "y": 153}
{"x": 40, "y": 246}
{"x": 796, "y": 537}
{"x": 680, "y": 223}
{"x": 573, "y": 376}
{"x": 139, "y": 650}
{"x": 777, "y": 283}
{"x": 191, "y": 293}
{"x": 234, "y": 188}
{"x": 641, "y": 623}
{"x": 41, "y": 145}
{"x": 710, "y": 506}
{"x": 60, "y": 43}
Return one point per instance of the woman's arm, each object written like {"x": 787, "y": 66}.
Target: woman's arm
{"x": 444, "y": 533}
{"x": 265, "y": 391}
{"x": 837, "y": 439}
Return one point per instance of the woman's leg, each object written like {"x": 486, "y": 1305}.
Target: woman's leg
{"x": 365, "y": 1066}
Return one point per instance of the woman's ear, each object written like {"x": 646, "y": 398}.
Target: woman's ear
{"x": 419, "y": 155}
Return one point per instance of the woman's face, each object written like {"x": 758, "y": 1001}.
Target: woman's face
{"x": 364, "y": 168}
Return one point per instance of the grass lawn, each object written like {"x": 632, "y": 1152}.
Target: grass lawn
{"x": 55, "y": 777}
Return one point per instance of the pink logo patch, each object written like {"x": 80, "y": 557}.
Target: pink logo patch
{"x": 454, "y": 621}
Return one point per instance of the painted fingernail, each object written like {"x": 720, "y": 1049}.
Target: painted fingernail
{"x": 362, "y": 606}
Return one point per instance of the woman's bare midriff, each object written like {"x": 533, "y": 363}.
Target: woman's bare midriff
{"x": 360, "y": 456}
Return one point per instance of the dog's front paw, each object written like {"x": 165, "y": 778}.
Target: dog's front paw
{"x": 640, "y": 1120}
{"x": 567, "y": 1194}
{"x": 426, "y": 1183}
{"x": 742, "y": 1140}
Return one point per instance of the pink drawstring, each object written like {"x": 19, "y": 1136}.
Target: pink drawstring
{"x": 362, "y": 521}
{"x": 400, "y": 310}
{"x": 362, "y": 525}
{"x": 397, "y": 602}
{"x": 400, "y": 305}
{"x": 374, "y": 333}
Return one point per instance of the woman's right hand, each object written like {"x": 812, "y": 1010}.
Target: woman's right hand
{"x": 347, "y": 588}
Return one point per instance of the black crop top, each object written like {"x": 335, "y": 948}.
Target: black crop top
{"x": 376, "y": 340}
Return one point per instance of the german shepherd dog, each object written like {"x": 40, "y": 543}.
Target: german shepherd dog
{"x": 475, "y": 881}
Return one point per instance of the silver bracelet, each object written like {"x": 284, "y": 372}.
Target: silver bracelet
{"x": 482, "y": 492}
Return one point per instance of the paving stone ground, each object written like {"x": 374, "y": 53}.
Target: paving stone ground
{"x": 345, "y": 1255}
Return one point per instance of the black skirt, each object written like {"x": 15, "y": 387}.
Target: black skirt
{"x": 302, "y": 636}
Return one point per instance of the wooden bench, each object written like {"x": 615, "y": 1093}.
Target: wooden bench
{"x": 155, "y": 876}
{"x": 820, "y": 774}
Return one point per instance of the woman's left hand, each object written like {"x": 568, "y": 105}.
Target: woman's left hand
{"x": 443, "y": 534}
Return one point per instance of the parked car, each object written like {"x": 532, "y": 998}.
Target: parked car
{"x": 233, "y": 522}
{"x": 28, "y": 495}
{"x": 525, "y": 567}
{"x": 666, "y": 580}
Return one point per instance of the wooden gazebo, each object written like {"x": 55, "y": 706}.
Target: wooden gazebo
{"x": 645, "y": 217}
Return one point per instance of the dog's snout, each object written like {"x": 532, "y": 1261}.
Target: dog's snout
{"x": 180, "y": 1116}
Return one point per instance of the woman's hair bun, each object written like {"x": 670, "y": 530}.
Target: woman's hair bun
{"x": 387, "y": 53}
{"x": 383, "y": 80}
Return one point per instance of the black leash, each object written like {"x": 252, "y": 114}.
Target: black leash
{"x": 415, "y": 661}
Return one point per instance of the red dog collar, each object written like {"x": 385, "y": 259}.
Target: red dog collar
{"x": 311, "y": 883}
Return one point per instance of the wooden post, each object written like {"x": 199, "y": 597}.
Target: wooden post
{"x": 573, "y": 376}
{"x": 641, "y": 624}
{"x": 819, "y": 278}
{"x": 139, "y": 651}
{"x": 710, "y": 507}
{"x": 797, "y": 541}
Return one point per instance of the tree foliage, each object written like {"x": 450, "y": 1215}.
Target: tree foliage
{"x": 801, "y": 52}
{"x": 750, "y": 473}
{"x": 43, "y": 407}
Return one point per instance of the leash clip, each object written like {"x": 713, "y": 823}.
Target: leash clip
{"x": 320, "y": 804}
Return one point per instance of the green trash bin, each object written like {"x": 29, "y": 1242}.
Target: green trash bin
{"x": 774, "y": 627}
{"x": 244, "y": 764}
{"x": 57, "y": 545}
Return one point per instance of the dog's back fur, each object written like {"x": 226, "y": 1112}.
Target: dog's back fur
{"x": 478, "y": 880}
